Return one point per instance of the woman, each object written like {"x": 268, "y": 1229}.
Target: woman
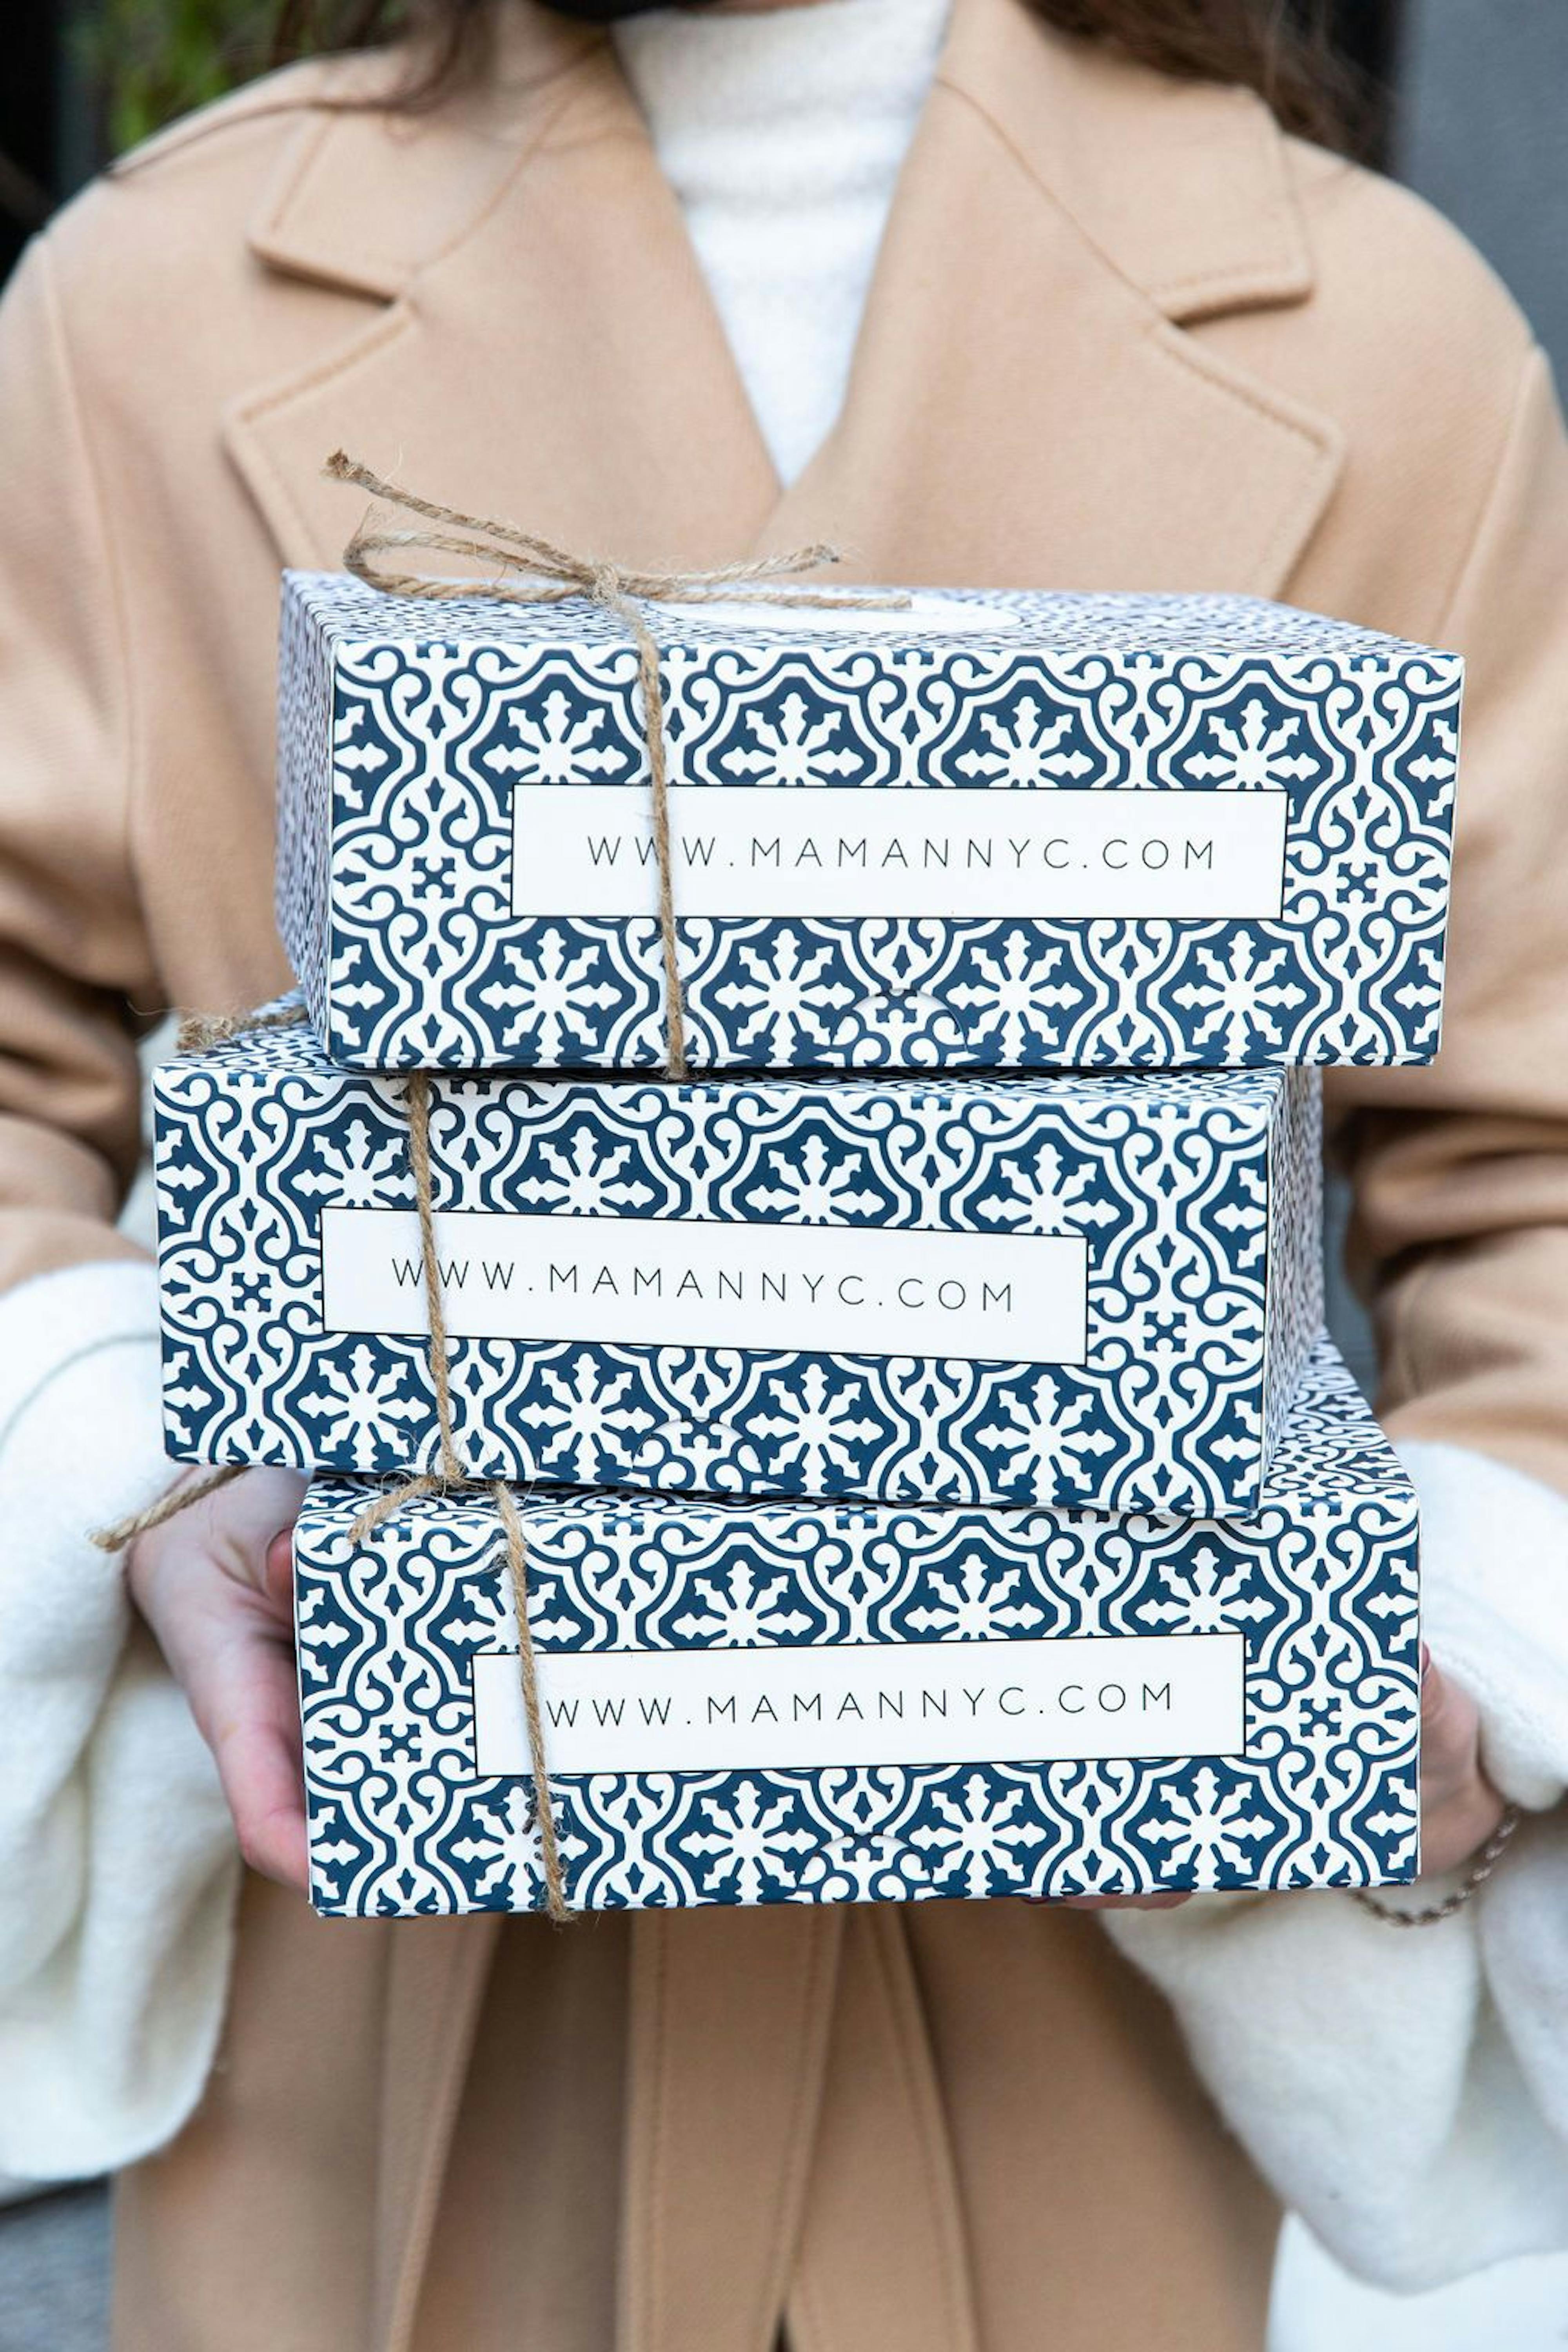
{"x": 659, "y": 295}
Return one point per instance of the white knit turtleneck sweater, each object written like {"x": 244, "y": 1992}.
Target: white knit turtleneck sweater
{"x": 783, "y": 130}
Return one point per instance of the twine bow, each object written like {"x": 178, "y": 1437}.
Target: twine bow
{"x": 525, "y": 570}
{"x": 528, "y": 570}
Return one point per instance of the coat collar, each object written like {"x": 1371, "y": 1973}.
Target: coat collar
{"x": 1183, "y": 186}
{"x": 526, "y": 241}
{"x": 365, "y": 197}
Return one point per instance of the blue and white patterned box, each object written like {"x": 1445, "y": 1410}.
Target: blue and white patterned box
{"x": 996, "y": 830}
{"x": 778, "y": 1703}
{"x": 1094, "y": 1289}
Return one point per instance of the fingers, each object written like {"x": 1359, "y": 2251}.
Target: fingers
{"x": 246, "y": 1702}
{"x": 1450, "y": 1733}
{"x": 277, "y": 1573}
{"x": 1460, "y": 1807}
{"x": 245, "y": 1534}
{"x": 233, "y": 1527}
{"x": 215, "y": 1585}
{"x": 1111, "y": 1902}
{"x": 1123, "y": 1901}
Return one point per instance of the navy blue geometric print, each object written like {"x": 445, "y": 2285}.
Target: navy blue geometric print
{"x": 1320, "y": 1584}
{"x": 405, "y": 753}
{"x": 1190, "y": 1198}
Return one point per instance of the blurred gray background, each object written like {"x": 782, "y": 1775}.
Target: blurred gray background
{"x": 1481, "y": 128}
{"x": 1478, "y": 123}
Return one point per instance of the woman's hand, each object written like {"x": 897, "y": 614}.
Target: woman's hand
{"x": 216, "y": 1584}
{"x": 1460, "y": 1807}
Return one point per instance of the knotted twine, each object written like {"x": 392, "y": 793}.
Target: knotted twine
{"x": 198, "y": 1034}
{"x": 528, "y": 570}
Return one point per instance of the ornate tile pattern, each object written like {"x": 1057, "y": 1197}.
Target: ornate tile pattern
{"x": 1320, "y": 1583}
{"x": 402, "y": 750}
{"x": 1194, "y": 1193}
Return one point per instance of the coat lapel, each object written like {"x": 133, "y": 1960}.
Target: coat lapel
{"x": 1032, "y": 400}
{"x": 559, "y": 361}
{"x": 1026, "y": 406}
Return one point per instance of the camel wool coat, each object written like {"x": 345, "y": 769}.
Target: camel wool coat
{"x": 1122, "y": 335}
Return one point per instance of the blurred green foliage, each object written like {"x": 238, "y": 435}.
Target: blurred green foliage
{"x": 148, "y": 60}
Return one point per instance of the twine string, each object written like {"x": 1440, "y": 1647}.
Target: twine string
{"x": 525, "y": 568}
{"x": 451, "y": 1472}
{"x": 122, "y": 1533}
{"x": 430, "y": 1267}
{"x": 198, "y": 1032}
{"x": 528, "y": 1675}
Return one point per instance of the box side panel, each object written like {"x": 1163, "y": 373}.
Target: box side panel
{"x": 1321, "y": 1790}
{"x": 1295, "y": 1310}
{"x": 1359, "y": 748}
{"x": 297, "y": 1273}
{"x": 1428, "y": 985}
{"x": 305, "y": 794}
{"x": 167, "y": 1143}
{"x": 228, "y": 1316}
{"x": 1398, "y": 823}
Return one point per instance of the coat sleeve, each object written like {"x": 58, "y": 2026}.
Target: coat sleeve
{"x": 117, "y": 1866}
{"x": 1460, "y": 1172}
{"x": 73, "y": 958}
{"x": 1407, "y": 2092}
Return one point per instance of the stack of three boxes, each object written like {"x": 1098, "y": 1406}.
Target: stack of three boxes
{"x": 933, "y": 1484}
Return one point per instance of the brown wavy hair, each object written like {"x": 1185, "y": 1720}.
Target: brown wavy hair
{"x": 1284, "y": 52}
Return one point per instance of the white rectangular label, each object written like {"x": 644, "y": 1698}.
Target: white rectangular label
{"x": 854, "y": 851}
{"x": 684, "y": 1283}
{"x": 1165, "y": 1694}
